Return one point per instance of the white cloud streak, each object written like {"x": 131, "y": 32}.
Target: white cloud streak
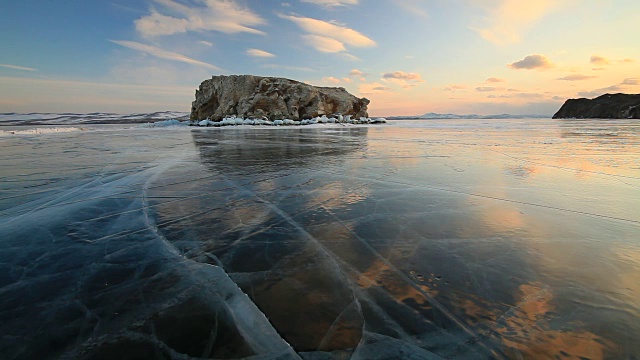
{"x": 163, "y": 54}
{"x": 324, "y": 44}
{"x": 225, "y": 16}
{"x": 259, "y": 53}
{"x": 17, "y": 67}
{"x": 329, "y": 37}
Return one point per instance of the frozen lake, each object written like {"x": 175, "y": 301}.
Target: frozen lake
{"x": 456, "y": 239}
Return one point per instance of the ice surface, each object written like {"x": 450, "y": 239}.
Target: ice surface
{"x": 463, "y": 239}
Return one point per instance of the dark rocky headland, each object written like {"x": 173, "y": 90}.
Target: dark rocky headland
{"x": 607, "y": 106}
{"x": 248, "y": 96}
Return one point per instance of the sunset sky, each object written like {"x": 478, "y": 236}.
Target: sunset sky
{"x": 408, "y": 57}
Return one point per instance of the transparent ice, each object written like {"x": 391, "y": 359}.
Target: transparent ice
{"x": 465, "y": 239}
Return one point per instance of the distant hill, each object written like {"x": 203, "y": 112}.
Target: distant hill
{"x": 607, "y": 106}
{"x": 433, "y": 116}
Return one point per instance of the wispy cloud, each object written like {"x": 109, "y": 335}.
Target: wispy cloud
{"x": 404, "y": 79}
{"x": 494, "y": 80}
{"x": 329, "y": 37}
{"x": 324, "y": 44}
{"x": 488, "y": 89}
{"x": 332, "y": 3}
{"x": 401, "y": 75}
{"x": 576, "y": 77}
{"x": 225, "y": 16}
{"x": 535, "y": 61}
{"x": 373, "y": 88}
{"x": 631, "y": 81}
{"x": 163, "y": 54}
{"x": 259, "y": 53}
{"x": 331, "y": 80}
{"x": 518, "y": 96}
{"x": 205, "y": 43}
{"x": 357, "y": 73}
{"x": 17, "y": 67}
{"x": 454, "y": 88}
{"x": 508, "y": 19}
{"x": 599, "y": 60}
{"x": 413, "y": 7}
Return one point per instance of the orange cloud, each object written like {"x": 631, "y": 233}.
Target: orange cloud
{"x": 599, "y": 60}
{"x": 324, "y": 44}
{"x": 535, "y": 61}
{"x": 576, "y": 77}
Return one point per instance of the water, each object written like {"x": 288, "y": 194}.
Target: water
{"x": 463, "y": 239}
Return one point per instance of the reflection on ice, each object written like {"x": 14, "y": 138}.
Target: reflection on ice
{"x": 416, "y": 240}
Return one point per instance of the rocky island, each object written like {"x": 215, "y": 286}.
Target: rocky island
{"x": 271, "y": 98}
{"x": 607, "y": 106}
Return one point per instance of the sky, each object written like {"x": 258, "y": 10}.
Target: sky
{"x": 409, "y": 57}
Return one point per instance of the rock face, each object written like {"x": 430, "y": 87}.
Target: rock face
{"x": 607, "y": 106}
{"x": 251, "y": 96}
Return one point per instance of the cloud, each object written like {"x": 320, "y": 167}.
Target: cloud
{"x": 576, "y": 77}
{"x": 517, "y": 96}
{"x": 350, "y": 57}
{"x": 205, "y": 43}
{"x": 324, "y": 44}
{"x": 508, "y": 19}
{"x": 373, "y": 88}
{"x": 17, "y": 67}
{"x": 357, "y": 73}
{"x": 332, "y": 3}
{"x": 216, "y": 15}
{"x": 329, "y": 36}
{"x": 599, "y": 60}
{"x": 331, "y": 80}
{"x": 401, "y": 75}
{"x": 454, "y": 88}
{"x": 494, "y": 80}
{"x": 259, "y": 53}
{"x": 528, "y": 95}
{"x": 535, "y": 61}
{"x": 413, "y": 7}
{"x": 488, "y": 89}
{"x": 406, "y": 80}
{"x": 631, "y": 81}
{"x": 163, "y": 54}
